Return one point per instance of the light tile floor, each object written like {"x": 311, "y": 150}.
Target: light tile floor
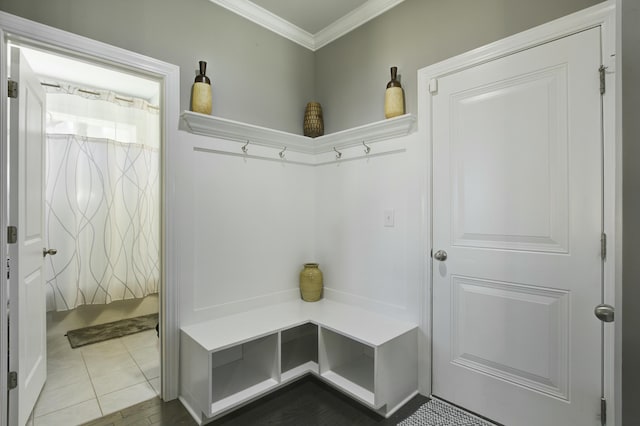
{"x": 92, "y": 381}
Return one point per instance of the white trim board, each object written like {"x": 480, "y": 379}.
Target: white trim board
{"x": 23, "y": 31}
{"x": 313, "y": 42}
{"x": 603, "y": 16}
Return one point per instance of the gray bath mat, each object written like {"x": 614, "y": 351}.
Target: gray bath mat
{"x": 111, "y": 330}
{"x": 439, "y": 413}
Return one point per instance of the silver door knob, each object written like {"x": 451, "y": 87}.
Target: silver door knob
{"x": 440, "y": 255}
{"x": 49, "y": 252}
{"x": 605, "y": 313}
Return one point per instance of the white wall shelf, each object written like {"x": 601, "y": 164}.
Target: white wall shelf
{"x": 207, "y": 125}
{"x": 230, "y": 361}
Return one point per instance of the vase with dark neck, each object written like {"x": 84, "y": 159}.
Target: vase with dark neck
{"x": 393, "y": 96}
{"x": 201, "y": 92}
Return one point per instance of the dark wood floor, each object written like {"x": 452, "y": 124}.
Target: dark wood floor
{"x": 306, "y": 402}
{"x": 151, "y": 412}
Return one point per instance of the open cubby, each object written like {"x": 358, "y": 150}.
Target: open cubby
{"x": 348, "y": 364}
{"x": 251, "y": 366}
{"x": 299, "y": 350}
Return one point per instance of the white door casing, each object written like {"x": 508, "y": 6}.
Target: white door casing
{"x": 517, "y": 206}
{"x": 25, "y": 31}
{"x": 27, "y": 352}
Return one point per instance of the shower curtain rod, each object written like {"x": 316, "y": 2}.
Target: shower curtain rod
{"x": 90, "y": 92}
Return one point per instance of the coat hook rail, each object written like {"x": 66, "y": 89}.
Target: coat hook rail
{"x": 281, "y": 153}
{"x": 338, "y": 153}
{"x": 245, "y": 148}
{"x": 367, "y": 148}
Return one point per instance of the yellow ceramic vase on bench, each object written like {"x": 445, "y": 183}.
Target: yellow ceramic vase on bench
{"x": 311, "y": 283}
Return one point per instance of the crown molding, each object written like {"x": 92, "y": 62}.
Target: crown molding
{"x": 268, "y": 20}
{"x": 313, "y": 42}
{"x": 352, "y": 20}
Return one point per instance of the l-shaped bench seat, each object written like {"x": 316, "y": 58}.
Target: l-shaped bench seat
{"x": 230, "y": 361}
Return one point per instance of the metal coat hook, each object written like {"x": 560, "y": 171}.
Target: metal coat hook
{"x": 338, "y": 153}
{"x": 367, "y": 149}
{"x": 244, "y": 147}
{"x": 281, "y": 153}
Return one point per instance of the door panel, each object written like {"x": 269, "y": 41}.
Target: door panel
{"x": 27, "y": 352}
{"x": 503, "y": 174}
{"x": 517, "y": 198}
{"x": 33, "y": 161}
{"x": 536, "y": 355}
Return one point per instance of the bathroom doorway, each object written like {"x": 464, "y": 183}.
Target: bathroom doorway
{"x": 102, "y": 232}
{"x": 29, "y": 33}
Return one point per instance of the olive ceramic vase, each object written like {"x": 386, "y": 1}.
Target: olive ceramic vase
{"x": 311, "y": 283}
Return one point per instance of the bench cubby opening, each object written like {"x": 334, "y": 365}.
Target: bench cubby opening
{"x": 299, "y": 350}
{"x": 251, "y": 365}
{"x": 348, "y": 364}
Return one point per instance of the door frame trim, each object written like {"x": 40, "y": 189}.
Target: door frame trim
{"x": 14, "y": 28}
{"x": 602, "y": 15}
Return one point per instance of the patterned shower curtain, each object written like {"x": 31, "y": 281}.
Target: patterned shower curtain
{"x": 102, "y": 197}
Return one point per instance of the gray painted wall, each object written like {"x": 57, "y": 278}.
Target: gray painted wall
{"x": 261, "y": 78}
{"x": 352, "y": 72}
{"x": 258, "y": 77}
{"x": 631, "y": 211}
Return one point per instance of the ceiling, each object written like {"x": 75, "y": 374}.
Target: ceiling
{"x": 310, "y": 23}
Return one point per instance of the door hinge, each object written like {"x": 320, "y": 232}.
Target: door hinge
{"x": 602, "y": 70}
{"x": 12, "y": 380}
{"x": 13, "y": 89}
{"x": 603, "y": 246}
{"x": 12, "y": 235}
{"x": 603, "y": 411}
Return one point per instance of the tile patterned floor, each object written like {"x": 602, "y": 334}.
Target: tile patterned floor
{"x": 96, "y": 380}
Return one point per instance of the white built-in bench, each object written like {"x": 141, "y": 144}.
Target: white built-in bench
{"x": 230, "y": 361}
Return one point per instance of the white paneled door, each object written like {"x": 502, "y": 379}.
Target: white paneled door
{"x": 27, "y": 352}
{"x": 517, "y": 196}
